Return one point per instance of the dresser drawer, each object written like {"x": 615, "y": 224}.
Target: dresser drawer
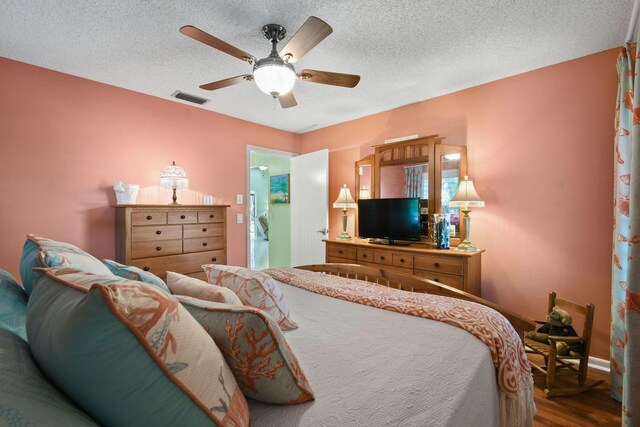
{"x": 153, "y": 234}
{"x": 365, "y": 255}
{"x": 403, "y": 260}
{"x": 214, "y": 215}
{"x": 203, "y": 244}
{"x": 442, "y": 265}
{"x": 445, "y": 279}
{"x": 204, "y": 230}
{"x": 148, "y": 218}
{"x": 182, "y": 217}
{"x": 341, "y": 251}
{"x": 185, "y": 263}
{"x": 159, "y": 248}
{"x": 383, "y": 257}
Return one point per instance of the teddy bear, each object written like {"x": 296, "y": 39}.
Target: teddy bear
{"x": 558, "y": 324}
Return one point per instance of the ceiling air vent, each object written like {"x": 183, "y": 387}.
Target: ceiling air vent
{"x": 189, "y": 98}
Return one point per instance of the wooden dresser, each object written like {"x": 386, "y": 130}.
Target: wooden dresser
{"x": 176, "y": 238}
{"x": 460, "y": 270}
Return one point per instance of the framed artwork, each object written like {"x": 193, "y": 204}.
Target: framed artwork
{"x": 279, "y": 188}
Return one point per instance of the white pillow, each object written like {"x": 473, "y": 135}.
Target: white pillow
{"x": 179, "y": 284}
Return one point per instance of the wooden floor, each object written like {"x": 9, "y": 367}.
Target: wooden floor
{"x": 592, "y": 408}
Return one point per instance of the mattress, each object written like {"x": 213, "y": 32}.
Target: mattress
{"x": 373, "y": 367}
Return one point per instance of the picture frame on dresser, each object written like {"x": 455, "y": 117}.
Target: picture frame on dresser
{"x": 161, "y": 238}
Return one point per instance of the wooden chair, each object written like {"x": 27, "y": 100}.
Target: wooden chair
{"x": 557, "y": 365}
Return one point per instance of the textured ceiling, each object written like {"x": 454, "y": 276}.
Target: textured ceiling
{"x": 405, "y": 51}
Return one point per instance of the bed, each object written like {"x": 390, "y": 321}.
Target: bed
{"x": 374, "y": 367}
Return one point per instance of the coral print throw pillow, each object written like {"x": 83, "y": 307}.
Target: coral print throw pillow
{"x": 254, "y": 288}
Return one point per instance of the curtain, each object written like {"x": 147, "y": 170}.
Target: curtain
{"x": 413, "y": 181}
{"x": 625, "y": 307}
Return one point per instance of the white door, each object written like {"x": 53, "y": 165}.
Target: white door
{"x": 309, "y": 207}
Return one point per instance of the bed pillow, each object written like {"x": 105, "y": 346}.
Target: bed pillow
{"x": 27, "y": 398}
{"x": 134, "y": 273}
{"x": 41, "y": 252}
{"x": 13, "y": 305}
{"x": 179, "y": 284}
{"x": 254, "y": 288}
{"x": 128, "y": 353}
{"x": 255, "y": 349}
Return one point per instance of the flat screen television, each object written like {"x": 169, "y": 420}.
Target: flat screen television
{"x": 389, "y": 219}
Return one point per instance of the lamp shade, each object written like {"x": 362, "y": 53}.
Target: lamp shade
{"x": 344, "y": 200}
{"x": 466, "y": 196}
{"x": 173, "y": 177}
{"x": 273, "y": 76}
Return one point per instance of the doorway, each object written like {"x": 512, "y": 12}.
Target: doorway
{"x": 269, "y": 218}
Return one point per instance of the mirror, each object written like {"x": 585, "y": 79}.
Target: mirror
{"x": 364, "y": 178}
{"x": 364, "y": 186}
{"x": 449, "y": 186}
{"x": 451, "y": 167}
{"x": 404, "y": 180}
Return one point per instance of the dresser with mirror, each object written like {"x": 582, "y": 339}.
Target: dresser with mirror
{"x": 430, "y": 170}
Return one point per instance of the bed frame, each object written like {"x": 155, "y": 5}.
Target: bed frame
{"x": 416, "y": 284}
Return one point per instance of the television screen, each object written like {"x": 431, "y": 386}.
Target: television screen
{"x": 392, "y": 219}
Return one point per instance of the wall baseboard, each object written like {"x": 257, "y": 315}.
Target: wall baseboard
{"x": 599, "y": 364}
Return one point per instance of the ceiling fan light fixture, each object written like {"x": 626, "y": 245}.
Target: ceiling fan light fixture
{"x": 273, "y": 76}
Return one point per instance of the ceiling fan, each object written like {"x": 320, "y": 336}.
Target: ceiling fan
{"x": 275, "y": 74}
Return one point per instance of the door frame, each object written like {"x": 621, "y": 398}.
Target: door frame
{"x": 247, "y": 213}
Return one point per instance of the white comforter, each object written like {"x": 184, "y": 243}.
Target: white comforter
{"x": 372, "y": 367}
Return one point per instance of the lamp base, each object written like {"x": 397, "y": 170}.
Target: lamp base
{"x": 344, "y": 236}
{"x": 467, "y": 246}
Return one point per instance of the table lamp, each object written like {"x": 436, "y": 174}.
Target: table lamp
{"x": 173, "y": 177}
{"x": 344, "y": 202}
{"x": 465, "y": 199}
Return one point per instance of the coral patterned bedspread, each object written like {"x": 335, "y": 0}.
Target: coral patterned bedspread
{"x": 513, "y": 371}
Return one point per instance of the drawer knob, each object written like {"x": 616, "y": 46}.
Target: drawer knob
{"x": 340, "y": 252}
{"x": 158, "y": 248}
{"x": 437, "y": 264}
{"x": 401, "y": 259}
{"x": 158, "y": 232}
{"x": 145, "y": 268}
{"x": 211, "y": 216}
{"x": 214, "y": 259}
{"x": 204, "y": 244}
{"x": 382, "y": 258}
{"x": 149, "y": 217}
{"x": 364, "y": 255}
{"x": 204, "y": 230}
{"x": 182, "y": 217}
{"x": 436, "y": 280}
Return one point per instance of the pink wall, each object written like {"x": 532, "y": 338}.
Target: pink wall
{"x": 66, "y": 140}
{"x": 540, "y": 154}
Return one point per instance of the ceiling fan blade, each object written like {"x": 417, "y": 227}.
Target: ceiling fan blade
{"x": 227, "y": 82}
{"x": 329, "y": 78}
{"x": 287, "y": 100}
{"x": 216, "y": 43}
{"x": 312, "y": 32}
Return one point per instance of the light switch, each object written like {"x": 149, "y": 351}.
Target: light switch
{"x": 239, "y": 199}
{"x": 240, "y": 218}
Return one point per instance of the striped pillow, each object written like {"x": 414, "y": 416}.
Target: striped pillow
{"x": 254, "y": 288}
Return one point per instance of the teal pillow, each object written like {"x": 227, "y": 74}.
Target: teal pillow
{"x": 128, "y": 353}
{"x": 41, "y": 252}
{"x": 134, "y": 273}
{"x": 13, "y": 305}
{"x": 26, "y": 397}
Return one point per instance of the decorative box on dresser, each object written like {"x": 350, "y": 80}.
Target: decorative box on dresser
{"x": 454, "y": 268}
{"x": 179, "y": 238}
